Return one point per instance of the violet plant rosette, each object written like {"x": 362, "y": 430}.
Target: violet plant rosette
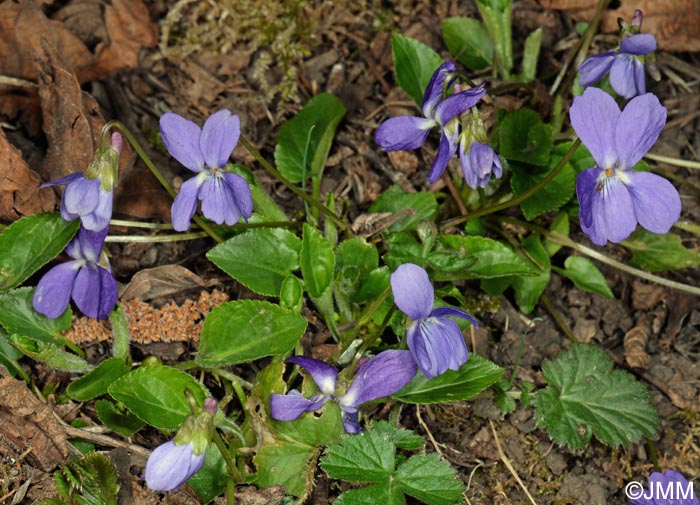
{"x": 668, "y": 488}
{"x": 89, "y": 195}
{"x": 612, "y": 198}
{"x": 625, "y": 65}
{"x": 225, "y": 197}
{"x": 410, "y": 132}
{"x": 87, "y": 279}
{"x": 381, "y": 376}
{"x": 435, "y": 341}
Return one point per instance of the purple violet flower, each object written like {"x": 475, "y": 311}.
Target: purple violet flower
{"x": 89, "y": 195}
{"x": 170, "y": 465}
{"x": 435, "y": 342}
{"x": 225, "y": 197}
{"x": 86, "y": 279}
{"x": 626, "y": 66}
{"x": 409, "y": 132}
{"x": 479, "y": 162}
{"x": 612, "y": 198}
{"x": 381, "y": 376}
{"x": 668, "y": 488}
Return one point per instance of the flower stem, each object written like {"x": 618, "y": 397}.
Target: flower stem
{"x": 154, "y": 170}
{"x": 234, "y": 474}
{"x": 292, "y": 187}
{"x": 147, "y": 239}
{"x": 672, "y": 161}
{"x": 522, "y": 196}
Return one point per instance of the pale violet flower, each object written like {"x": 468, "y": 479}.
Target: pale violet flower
{"x": 225, "y": 197}
{"x": 612, "y": 198}
{"x": 170, "y": 465}
{"x": 435, "y": 341}
{"x": 668, "y": 488}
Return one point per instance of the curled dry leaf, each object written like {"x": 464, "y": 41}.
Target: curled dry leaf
{"x": 673, "y": 22}
{"x": 27, "y": 424}
{"x": 19, "y": 186}
{"x": 635, "y": 343}
{"x": 161, "y": 281}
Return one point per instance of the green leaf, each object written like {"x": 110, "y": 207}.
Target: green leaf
{"x": 560, "y": 224}
{"x": 307, "y": 138}
{"x": 17, "y": 315}
{"x": 414, "y": 65}
{"x": 426, "y": 477}
{"x": 96, "y": 382}
{"x": 468, "y": 41}
{"x": 373, "y": 286}
{"x": 657, "y": 253}
{"x": 120, "y": 421}
{"x": 524, "y": 137}
{"x": 50, "y": 354}
{"x": 156, "y": 395}
{"x": 496, "y": 16}
{"x": 31, "y": 242}
{"x": 476, "y": 258}
{"x": 90, "y": 481}
{"x": 317, "y": 261}
{"x": 553, "y": 195}
{"x": 260, "y": 259}
{"x": 292, "y": 293}
{"x": 587, "y": 397}
{"x": 403, "y": 248}
{"x": 9, "y": 354}
{"x": 387, "y": 493}
{"x": 585, "y": 275}
{"x": 210, "y": 481}
{"x": 454, "y": 385}
{"x": 120, "y": 331}
{"x": 423, "y": 206}
{"x": 367, "y": 457}
{"x": 531, "y": 52}
{"x": 529, "y": 288}
{"x": 246, "y": 330}
{"x": 264, "y": 206}
{"x": 402, "y": 438}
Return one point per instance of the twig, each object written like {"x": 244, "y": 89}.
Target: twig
{"x": 509, "y": 466}
{"x": 101, "y": 439}
{"x": 428, "y": 432}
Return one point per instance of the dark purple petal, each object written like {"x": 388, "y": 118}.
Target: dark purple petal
{"x": 81, "y": 196}
{"x": 454, "y": 312}
{"x": 86, "y": 290}
{"x": 612, "y": 211}
{"x": 594, "y": 116}
{"x": 185, "y": 204}
{"x": 437, "y": 345}
{"x": 52, "y": 294}
{"x": 585, "y": 190}
{"x": 351, "y": 421}
{"x": 99, "y": 218}
{"x": 594, "y": 68}
{"x": 169, "y": 466}
{"x": 241, "y": 193}
{"x": 478, "y": 164}
{"x": 381, "y": 376}
{"x": 217, "y": 201}
{"x": 657, "y": 203}
{"x": 638, "y": 128}
{"x": 435, "y": 88}
{"x": 323, "y": 374}
{"x": 639, "y": 78}
{"x": 457, "y": 104}
{"x": 622, "y": 75}
{"x": 181, "y": 139}
{"x": 90, "y": 244}
{"x": 403, "y": 132}
{"x": 641, "y": 43}
{"x": 219, "y": 136}
{"x": 63, "y": 180}
{"x": 290, "y": 406}
{"x": 446, "y": 149}
{"x": 108, "y": 293}
{"x": 413, "y": 292}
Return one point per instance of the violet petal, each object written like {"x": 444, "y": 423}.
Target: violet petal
{"x": 641, "y": 43}
{"x": 594, "y": 68}
{"x": 586, "y": 183}
{"x": 169, "y": 466}
{"x": 434, "y": 89}
{"x": 638, "y": 128}
{"x": 622, "y": 76}
{"x": 323, "y": 374}
{"x": 403, "y": 132}
{"x": 612, "y": 210}
{"x": 446, "y": 150}
{"x": 67, "y": 179}
{"x": 437, "y": 345}
{"x": 292, "y": 405}
{"x": 413, "y": 292}
{"x": 99, "y": 218}
{"x": 351, "y": 421}
{"x": 86, "y": 290}
{"x": 219, "y": 137}
{"x": 108, "y": 293}
{"x": 454, "y": 312}
{"x": 52, "y": 294}
{"x": 185, "y": 204}
{"x": 241, "y": 193}
{"x": 181, "y": 139}
{"x": 593, "y": 116}
{"x": 81, "y": 196}
{"x": 90, "y": 243}
{"x": 217, "y": 201}
{"x": 457, "y": 104}
{"x": 657, "y": 203}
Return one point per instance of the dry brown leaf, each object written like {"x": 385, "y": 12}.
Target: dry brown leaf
{"x": 19, "y": 195}
{"x": 140, "y": 195}
{"x": 635, "y": 343}
{"x": 28, "y": 424}
{"x": 161, "y": 281}
{"x": 673, "y": 22}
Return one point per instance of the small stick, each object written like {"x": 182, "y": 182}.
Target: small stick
{"x": 506, "y": 462}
